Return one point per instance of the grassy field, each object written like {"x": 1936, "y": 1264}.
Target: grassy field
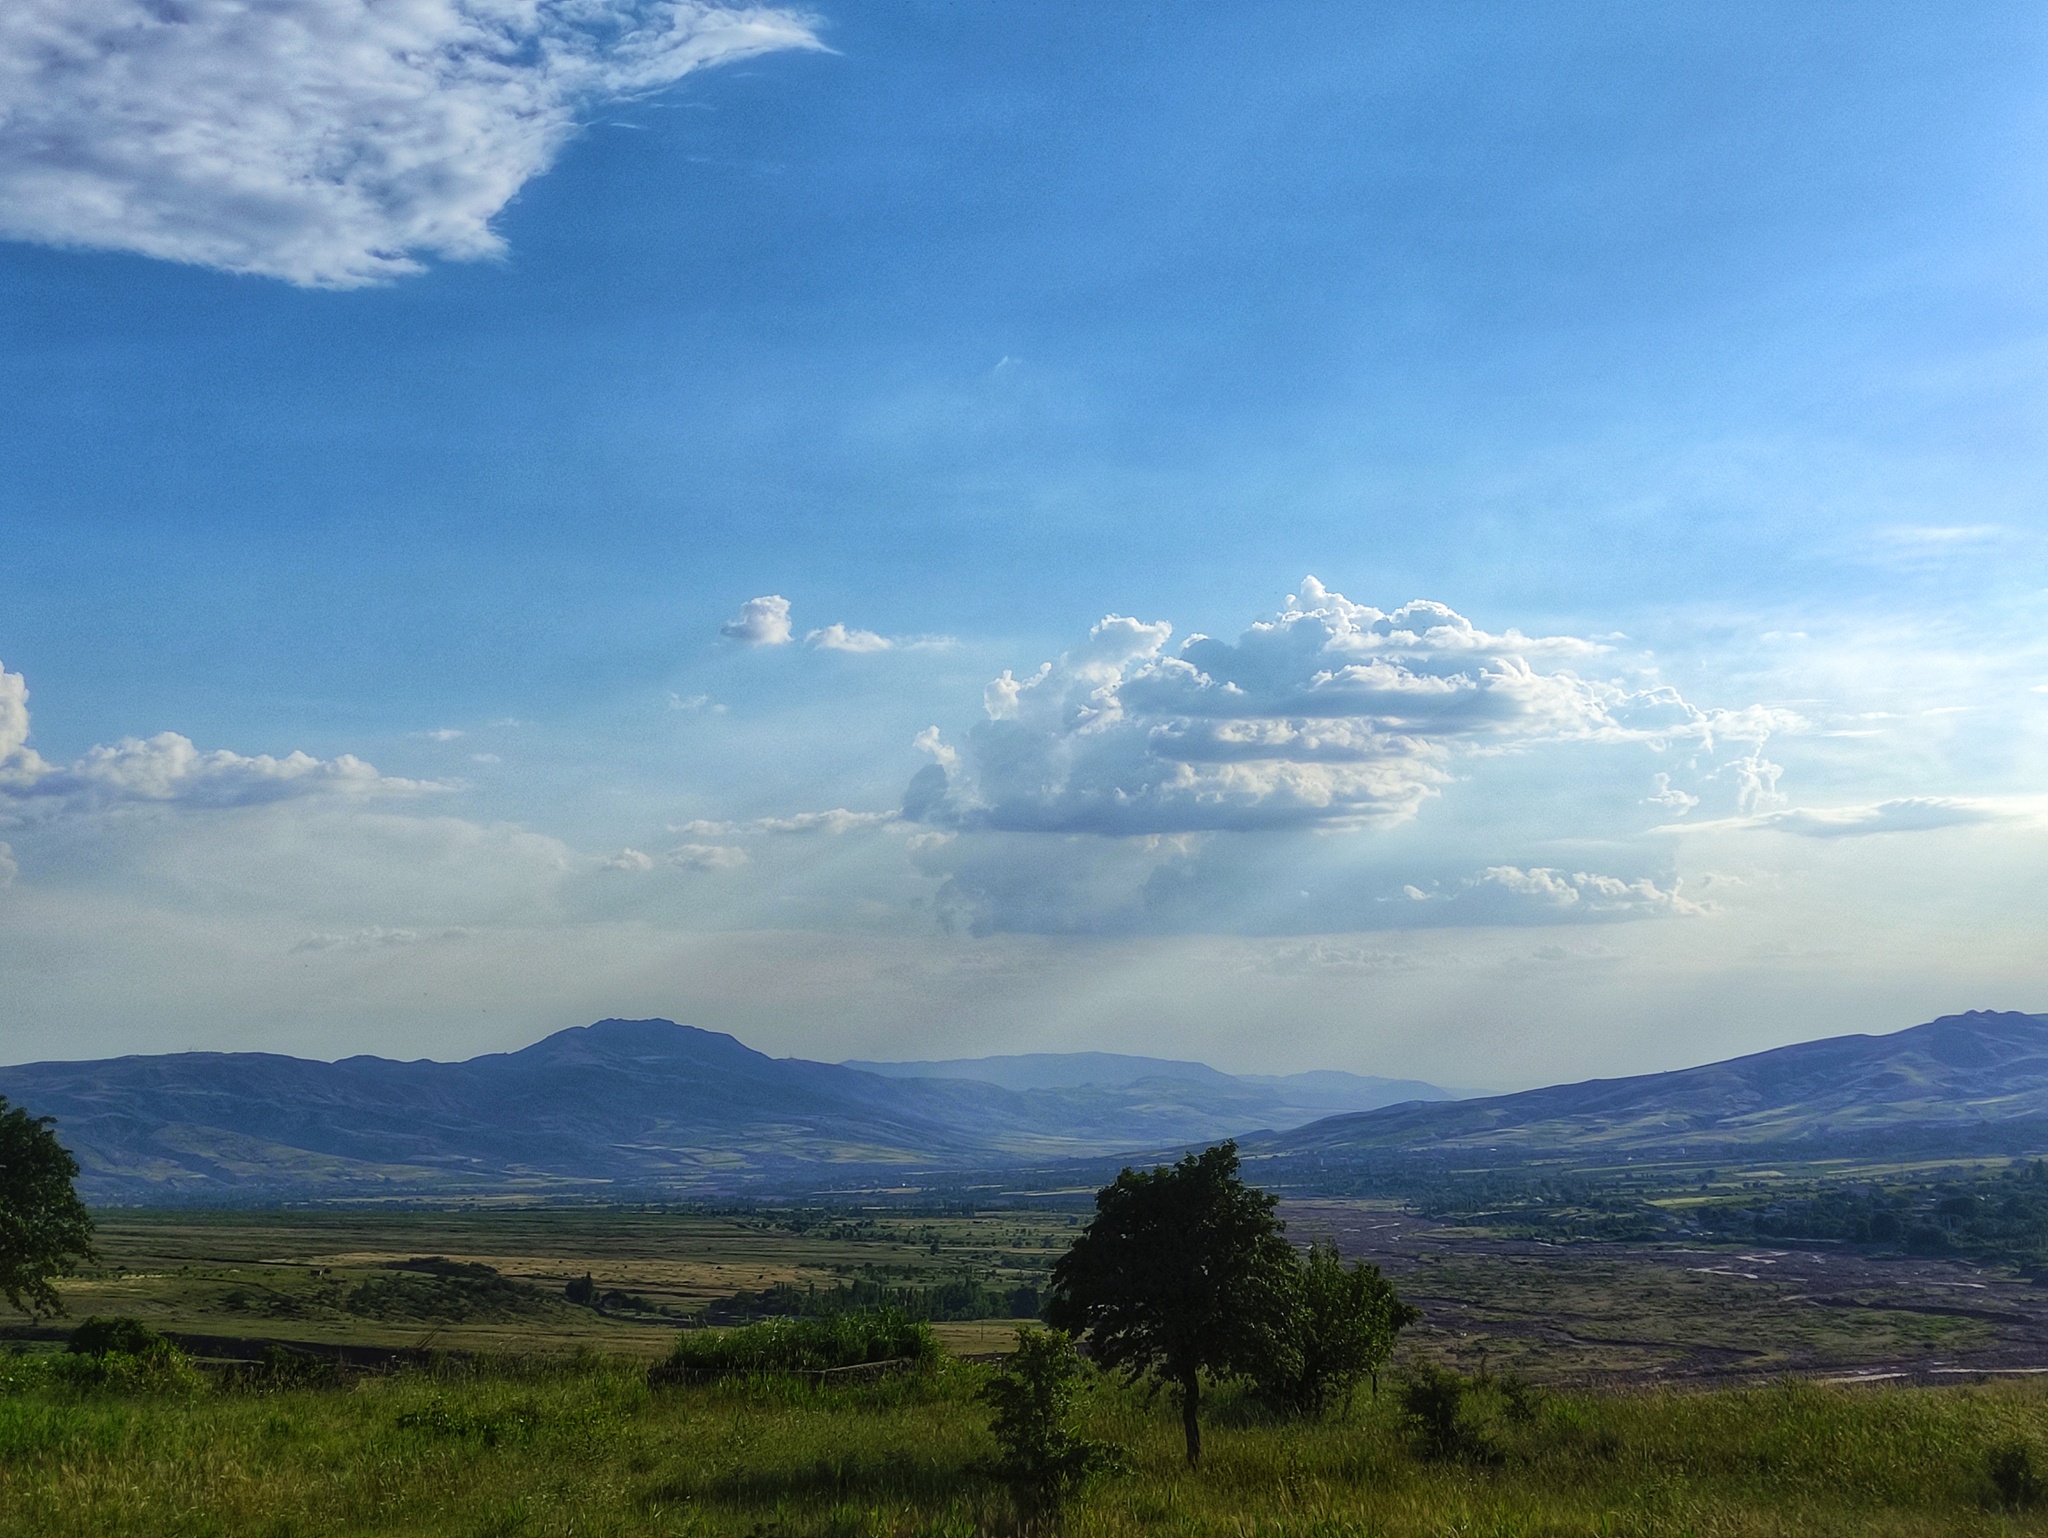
{"x": 561, "y": 1446}
{"x": 299, "y": 1276}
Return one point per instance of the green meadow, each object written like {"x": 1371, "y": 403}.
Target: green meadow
{"x": 582, "y": 1445}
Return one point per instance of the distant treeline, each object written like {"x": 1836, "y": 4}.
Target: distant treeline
{"x": 1998, "y": 1219}
{"x": 1995, "y": 1219}
{"x": 962, "y": 1298}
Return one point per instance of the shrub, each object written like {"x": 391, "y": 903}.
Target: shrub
{"x": 2014, "y": 1479}
{"x": 1341, "y": 1326}
{"x": 862, "y": 1338}
{"x": 98, "y": 1336}
{"x": 124, "y": 1356}
{"x": 1040, "y": 1459}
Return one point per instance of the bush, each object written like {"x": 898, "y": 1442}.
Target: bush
{"x": 130, "y": 1337}
{"x": 862, "y": 1338}
{"x": 1040, "y": 1459}
{"x": 1341, "y": 1326}
{"x": 2014, "y": 1480}
{"x": 124, "y": 1356}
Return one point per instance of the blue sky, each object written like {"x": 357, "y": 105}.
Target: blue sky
{"x": 436, "y": 421}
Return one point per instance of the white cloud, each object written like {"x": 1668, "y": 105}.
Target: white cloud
{"x": 837, "y": 638}
{"x": 1907, "y": 814}
{"x": 1663, "y": 793}
{"x": 1330, "y": 715}
{"x": 694, "y": 702}
{"x": 836, "y": 821}
{"x": 707, "y": 857}
{"x": 442, "y": 734}
{"x": 630, "y": 860}
{"x": 485, "y": 758}
{"x": 376, "y": 937}
{"x": 760, "y": 622}
{"x": 326, "y": 142}
{"x": 1589, "y": 893}
{"x": 8, "y": 869}
{"x": 167, "y": 769}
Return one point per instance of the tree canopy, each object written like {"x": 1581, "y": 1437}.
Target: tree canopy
{"x": 44, "y": 1228}
{"x": 1342, "y": 1328}
{"x": 1183, "y": 1271}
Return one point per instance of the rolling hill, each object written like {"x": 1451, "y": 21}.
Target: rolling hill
{"x": 1975, "y": 1082}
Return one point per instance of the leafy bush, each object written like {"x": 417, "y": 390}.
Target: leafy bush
{"x": 1341, "y": 1327}
{"x": 1040, "y": 1459}
{"x": 856, "y": 1339}
{"x": 124, "y": 1356}
{"x": 98, "y": 1336}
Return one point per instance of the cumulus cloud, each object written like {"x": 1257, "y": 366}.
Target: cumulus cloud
{"x": 329, "y": 143}
{"x": 167, "y": 769}
{"x": 760, "y": 622}
{"x": 1587, "y": 892}
{"x": 837, "y": 638}
{"x": 1332, "y": 714}
{"x": 8, "y": 869}
{"x": 630, "y": 860}
{"x": 707, "y": 857}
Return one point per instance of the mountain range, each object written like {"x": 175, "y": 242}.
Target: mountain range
{"x": 652, "y": 1108}
{"x": 1968, "y": 1083}
{"x": 645, "y": 1106}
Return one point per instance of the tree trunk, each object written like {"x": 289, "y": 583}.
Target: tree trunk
{"x": 1191, "y": 1415}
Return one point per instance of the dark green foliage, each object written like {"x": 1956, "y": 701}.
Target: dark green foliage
{"x": 1466, "y": 1419}
{"x": 582, "y": 1291}
{"x": 45, "y": 1230}
{"x": 125, "y": 1355}
{"x": 1182, "y": 1272}
{"x": 1341, "y": 1328}
{"x": 858, "y": 1339}
{"x": 97, "y": 1337}
{"x": 2014, "y": 1480}
{"x": 437, "y": 1291}
{"x": 1996, "y": 1219}
{"x": 1040, "y": 1459}
{"x": 961, "y": 1298}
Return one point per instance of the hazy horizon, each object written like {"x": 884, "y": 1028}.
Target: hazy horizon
{"x": 1484, "y": 548}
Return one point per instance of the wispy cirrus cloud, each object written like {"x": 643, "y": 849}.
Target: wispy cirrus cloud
{"x": 1905, "y": 814}
{"x": 330, "y": 143}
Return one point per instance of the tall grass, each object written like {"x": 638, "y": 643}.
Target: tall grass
{"x": 586, "y": 1448}
{"x": 823, "y": 1343}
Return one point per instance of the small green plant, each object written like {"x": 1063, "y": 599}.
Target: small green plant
{"x": 2015, "y": 1481}
{"x": 1041, "y": 1460}
{"x": 1443, "y": 1416}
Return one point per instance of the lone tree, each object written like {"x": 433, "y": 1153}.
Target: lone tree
{"x": 1183, "y": 1271}
{"x": 44, "y": 1227}
{"x": 1343, "y": 1327}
